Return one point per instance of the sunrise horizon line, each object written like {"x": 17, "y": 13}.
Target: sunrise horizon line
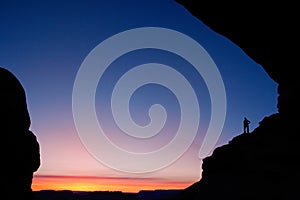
{"x": 77, "y": 183}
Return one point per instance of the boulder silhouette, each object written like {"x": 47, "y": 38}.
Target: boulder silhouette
{"x": 20, "y": 150}
{"x": 263, "y": 164}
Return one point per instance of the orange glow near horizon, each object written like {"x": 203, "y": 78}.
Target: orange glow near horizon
{"x": 84, "y": 183}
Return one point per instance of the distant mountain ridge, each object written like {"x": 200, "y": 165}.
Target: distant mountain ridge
{"x": 109, "y": 195}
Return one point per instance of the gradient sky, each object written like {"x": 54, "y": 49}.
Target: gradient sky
{"x": 44, "y": 43}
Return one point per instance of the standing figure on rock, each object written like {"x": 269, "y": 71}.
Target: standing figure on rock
{"x": 20, "y": 150}
{"x": 246, "y": 125}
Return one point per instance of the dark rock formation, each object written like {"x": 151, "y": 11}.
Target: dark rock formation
{"x": 107, "y": 195}
{"x": 20, "y": 156}
{"x": 266, "y": 32}
{"x": 262, "y": 164}
{"x": 259, "y": 165}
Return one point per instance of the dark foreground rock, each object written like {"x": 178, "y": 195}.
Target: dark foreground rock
{"x": 262, "y": 164}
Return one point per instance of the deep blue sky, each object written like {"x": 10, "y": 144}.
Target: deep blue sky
{"x": 45, "y": 42}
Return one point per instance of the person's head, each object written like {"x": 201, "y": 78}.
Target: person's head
{"x": 13, "y": 106}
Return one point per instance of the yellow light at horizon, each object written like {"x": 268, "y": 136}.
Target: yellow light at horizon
{"x": 102, "y": 184}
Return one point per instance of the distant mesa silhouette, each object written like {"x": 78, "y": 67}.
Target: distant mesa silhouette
{"x": 107, "y": 195}
{"x": 20, "y": 150}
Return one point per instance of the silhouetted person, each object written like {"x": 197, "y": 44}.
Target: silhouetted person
{"x": 20, "y": 151}
{"x": 246, "y": 125}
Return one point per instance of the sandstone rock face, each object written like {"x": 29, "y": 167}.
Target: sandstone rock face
{"x": 262, "y": 164}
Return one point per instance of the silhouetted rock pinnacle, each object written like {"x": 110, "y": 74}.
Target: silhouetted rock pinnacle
{"x": 20, "y": 156}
